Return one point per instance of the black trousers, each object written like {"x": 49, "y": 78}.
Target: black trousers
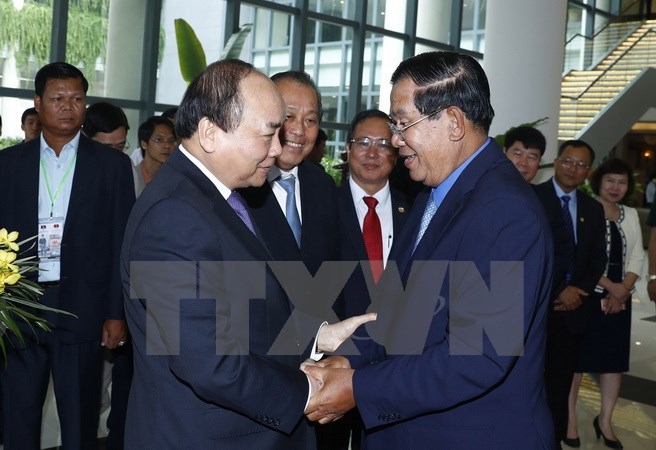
{"x": 561, "y": 361}
{"x": 76, "y": 371}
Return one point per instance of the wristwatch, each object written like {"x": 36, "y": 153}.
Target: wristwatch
{"x": 651, "y": 278}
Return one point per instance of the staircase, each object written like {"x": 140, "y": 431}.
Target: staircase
{"x": 585, "y": 93}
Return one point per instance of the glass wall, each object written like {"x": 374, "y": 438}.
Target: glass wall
{"x": 128, "y": 48}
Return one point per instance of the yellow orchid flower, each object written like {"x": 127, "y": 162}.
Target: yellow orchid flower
{"x": 9, "y": 239}
{"x": 12, "y": 279}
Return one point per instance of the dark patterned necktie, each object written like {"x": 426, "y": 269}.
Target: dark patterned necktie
{"x": 568, "y": 232}
{"x": 237, "y": 203}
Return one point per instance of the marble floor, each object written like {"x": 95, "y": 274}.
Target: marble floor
{"x": 634, "y": 419}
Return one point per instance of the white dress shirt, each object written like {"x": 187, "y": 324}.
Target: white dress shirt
{"x": 383, "y": 209}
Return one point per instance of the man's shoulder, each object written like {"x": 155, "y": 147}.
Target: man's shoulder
{"x": 103, "y": 152}
{"x": 309, "y": 172}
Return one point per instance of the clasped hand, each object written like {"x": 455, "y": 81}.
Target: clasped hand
{"x": 331, "y": 379}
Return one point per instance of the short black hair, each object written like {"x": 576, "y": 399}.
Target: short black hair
{"x": 104, "y": 117}
{"x": 147, "y": 128}
{"x": 529, "y": 137}
{"x": 59, "y": 71}
{"x": 577, "y": 143}
{"x": 615, "y": 166}
{"x": 28, "y": 112}
{"x": 361, "y": 117}
{"x": 213, "y": 94}
{"x": 302, "y": 78}
{"x": 322, "y": 136}
{"x": 170, "y": 113}
{"x": 449, "y": 79}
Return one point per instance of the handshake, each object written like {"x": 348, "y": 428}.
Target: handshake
{"x": 331, "y": 379}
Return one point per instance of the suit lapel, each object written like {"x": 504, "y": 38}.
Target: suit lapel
{"x": 222, "y": 210}
{"x": 451, "y": 205}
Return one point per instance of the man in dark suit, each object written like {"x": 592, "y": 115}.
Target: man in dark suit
{"x": 203, "y": 308}
{"x": 371, "y": 159}
{"x": 480, "y": 226}
{"x": 66, "y": 181}
{"x": 302, "y": 224}
{"x": 580, "y": 260}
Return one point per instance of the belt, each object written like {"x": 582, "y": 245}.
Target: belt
{"x": 49, "y": 284}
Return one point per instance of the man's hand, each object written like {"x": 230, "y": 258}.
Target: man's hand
{"x": 331, "y": 336}
{"x": 335, "y": 397}
{"x": 569, "y": 299}
{"x": 114, "y": 334}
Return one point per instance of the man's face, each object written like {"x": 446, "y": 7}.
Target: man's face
{"x": 115, "y": 139}
{"x": 371, "y": 157}
{"x": 247, "y": 154}
{"x": 31, "y": 127}
{"x": 62, "y": 107}
{"x": 571, "y": 167}
{"x": 527, "y": 160}
{"x": 426, "y": 150}
{"x": 301, "y": 128}
{"x": 160, "y": 145}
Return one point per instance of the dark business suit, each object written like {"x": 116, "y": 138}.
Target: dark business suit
{"x": 480, "y": 400}
{"x": 565, "y": 328}
{"x": 319, "y": 230}
{"x": 355, "y": 300}
{"x": 319, "y": 234}
{"x": 202, "y": 376}
{"x": 101, "y": 197}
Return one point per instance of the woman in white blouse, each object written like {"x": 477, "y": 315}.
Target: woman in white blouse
{"x": 606, "y": 340}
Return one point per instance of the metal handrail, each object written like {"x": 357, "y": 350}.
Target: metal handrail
{"x": 610, "y": 22}
{"x": 607, "y": 69}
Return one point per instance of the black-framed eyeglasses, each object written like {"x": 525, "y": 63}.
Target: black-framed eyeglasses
{"x": 399, "y": 131}
{"x": 568, "y": 164}
{"x": 363, "y": 144}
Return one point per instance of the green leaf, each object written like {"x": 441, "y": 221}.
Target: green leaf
{"x": 235, "y": 44}
{"x": 190, "y": 51}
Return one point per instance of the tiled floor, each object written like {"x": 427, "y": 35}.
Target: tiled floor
{"x": 634, "y": 421}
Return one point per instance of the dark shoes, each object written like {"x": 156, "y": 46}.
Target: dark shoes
{"x": 609, "y": 443}
{"x": 572, "y": 442}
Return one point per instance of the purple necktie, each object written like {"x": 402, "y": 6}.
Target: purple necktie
{"x": 237, "y": 203}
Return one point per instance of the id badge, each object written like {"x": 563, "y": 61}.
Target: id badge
{"x": 51, "y": 230}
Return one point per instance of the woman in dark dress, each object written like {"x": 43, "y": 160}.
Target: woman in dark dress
{"x": 606, "y": 341}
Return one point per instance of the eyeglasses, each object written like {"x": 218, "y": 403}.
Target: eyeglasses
{"x": 161, "y": 140}
{"x": 399, "y": 131}
{"x": 568, "y": 164}
{"x": 363, "y": 144}
{"x": 123, "y": 146}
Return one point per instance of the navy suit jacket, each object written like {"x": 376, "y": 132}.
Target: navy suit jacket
{"x": 101, "y": 198}
{"x": 355, "y": 296}
{"x": 202, "y": 374}
{"x": 590, "y": 256}
{"x": 442, "y": 397}
{"x": 319, "y": 231}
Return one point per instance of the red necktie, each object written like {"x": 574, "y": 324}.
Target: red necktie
{"x": 373, "y": 238}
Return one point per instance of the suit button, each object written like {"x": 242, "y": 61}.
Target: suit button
{"x": 276, "y": 423}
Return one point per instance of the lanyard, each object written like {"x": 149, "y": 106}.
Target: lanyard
{"x": 61, "y": 183}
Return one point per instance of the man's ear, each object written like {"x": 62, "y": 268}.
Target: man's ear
{"x": 37, "y": 103}
{"x": 208, "y": 135}
{"x": 457, "y": 121}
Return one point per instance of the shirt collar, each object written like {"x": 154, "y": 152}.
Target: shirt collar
{"x": 225, "y": 192}
{"x": 68, "y": 149}
{"x": 438, "y": 194}
{"x": 276, "y": 172}
{"x": 358, "y": 193}
{"x": 560, "y": 192}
